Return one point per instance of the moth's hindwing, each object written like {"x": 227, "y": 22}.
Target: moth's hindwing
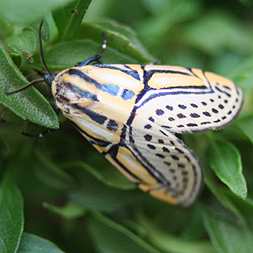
{"x": 168, "y": 161}
{"x": 158, "y": 163}
{"x": 131, "y": 113}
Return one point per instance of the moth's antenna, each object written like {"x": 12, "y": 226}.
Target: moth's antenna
{"x": 25, "y": 87}
{"x": 42, "y": 56}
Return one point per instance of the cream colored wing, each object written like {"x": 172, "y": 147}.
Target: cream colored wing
{"x": 192, "y": 101}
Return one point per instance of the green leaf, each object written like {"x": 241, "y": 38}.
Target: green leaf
{"x": 119, "y": 37}
{"x": 155, "y": 28}
{"x": 225, "y": 160}
{"x": 157, "y": 6}
{"x": 51, "y": 174}
{"x": 223, "y": 198}
{"x": 108, "y": 175}
{"x": 111, "y": 237}
{"x": 27, "y": 11}
{"x": 246, "y": 2}
{"x": 245, "y": 206}
{"x": 69, "y": 211}
{"x": 75, "y": 18}
{"x": 67, "y": 54}
{"x": 23, "y": 43}
{"x": 242, "y": 74}
{"x": 91, "y": 193}
{"x": 246, "y": 126}
{"x": 30, "y": 104}
{"x": 11, "y": 216}
{"x": 226, "y": 235}
{"x": 218, "y": 31}
{"x": 170, "y": 243}
{"x": 34, "y": 244}
{"x": 6, "y": 28}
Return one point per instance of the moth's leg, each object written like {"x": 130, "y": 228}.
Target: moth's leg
{"x": 39, "y": 135}
{"x": 96, "y": 59}
{"x": 93, "y": 59}
{"x": 35, "y": 133}
{"x": 2, "y": 114}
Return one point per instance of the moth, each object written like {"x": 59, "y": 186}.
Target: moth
{"x": 132, "y": 114}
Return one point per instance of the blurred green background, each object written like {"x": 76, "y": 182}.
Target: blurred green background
{"x": 58, "y": 187}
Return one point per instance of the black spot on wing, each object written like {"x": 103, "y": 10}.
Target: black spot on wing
{"x": 175, "y": 157}
{"x": 167, "y": 163}
{"x": 194, "y": 115}
{"x": 207, "y": 114}
{"x": 160, "y": 155}
{"x": 191, "y": 125}
{"x": 165, "y": 149}
{"x": 170, "y": 108}
{"x": 150, "y": 146}
{"x": 147, "y": 126}
{"x": 181, "y": 116}
{"x": 112, "y": 125}
{"x": 181, "y": 106}
{"x": 159, "y": 112}
{"x": 147, "y": 137}
{"x": 151, "y": 119}
{"x": 214, "y": 110}
{"x": 194, "y": 105}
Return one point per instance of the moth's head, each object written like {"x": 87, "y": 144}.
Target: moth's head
{"x": 49, "y": 78}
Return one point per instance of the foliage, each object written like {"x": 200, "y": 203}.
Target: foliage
{"x": 59, "y": 188}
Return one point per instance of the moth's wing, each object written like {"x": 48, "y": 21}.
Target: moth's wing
{"x": 174, "y": 170}
{"x": 189, "y": 101}
{"x": 159, "y": 164}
